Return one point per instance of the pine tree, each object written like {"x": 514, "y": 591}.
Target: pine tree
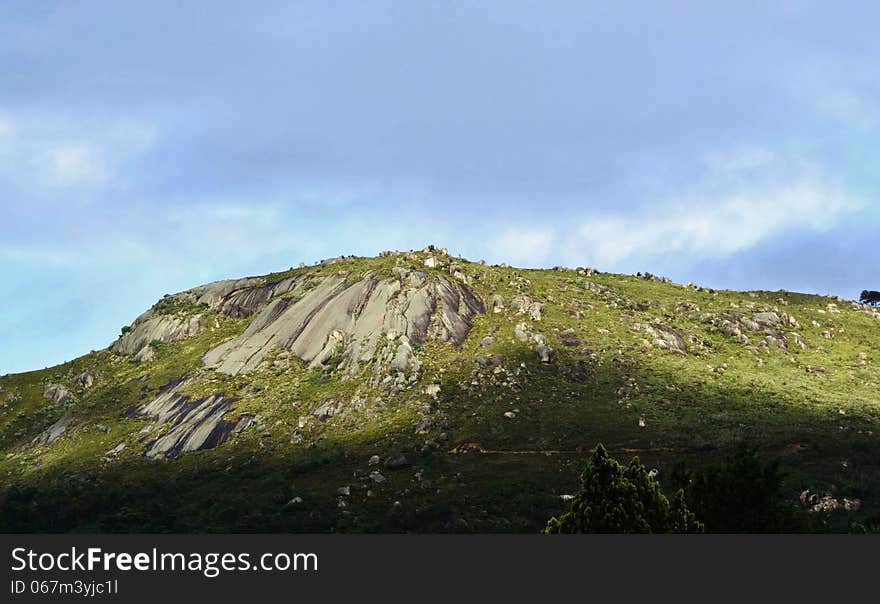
{"x": 617, "y": 499}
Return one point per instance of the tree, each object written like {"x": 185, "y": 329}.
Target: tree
{"x": 742, "y": 495}
{"x": 870, "y": 297}
{"x": 617, "y": 499}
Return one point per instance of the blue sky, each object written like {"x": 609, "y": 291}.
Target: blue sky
{"x": 149, "y": 147}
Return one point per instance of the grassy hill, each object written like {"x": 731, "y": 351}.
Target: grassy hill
{"x": 478, "y": 418}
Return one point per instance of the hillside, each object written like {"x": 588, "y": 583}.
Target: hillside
{"x": 420, "y": 392}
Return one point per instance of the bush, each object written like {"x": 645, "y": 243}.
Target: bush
{"x": 742, "y": 495}
{"x": 617, "y": 499}
{"x": 870, "y": 297}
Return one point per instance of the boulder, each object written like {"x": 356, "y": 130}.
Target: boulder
{"x": 767, "y": 319}
{"x": 497, "y": 303}
{"x": 53, "y": 432}
{"x": 404, "y": 359}
{"x": 85, "y": 380}
{"x": 57, "y": 393}
{"x": 544, "y": 353}
{"x": 669, "y": 339}
{"x": 145, "y": 355}
{"x": 489, "y": 361}
{"x": 400, "y": 461}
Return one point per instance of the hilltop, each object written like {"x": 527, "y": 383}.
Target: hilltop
{"x": 417, "y": 391}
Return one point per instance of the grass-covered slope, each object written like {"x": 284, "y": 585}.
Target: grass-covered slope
{"x": 489, "y": 433}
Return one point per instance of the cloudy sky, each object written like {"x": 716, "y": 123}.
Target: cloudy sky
{"x": 149, "y": 147}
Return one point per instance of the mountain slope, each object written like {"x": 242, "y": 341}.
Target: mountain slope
{"x": 415, "y": 391}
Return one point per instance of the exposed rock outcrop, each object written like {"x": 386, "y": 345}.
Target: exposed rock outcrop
{"x": 57, "y": 393}
{"x": 196, "y": 424}
{"x": 347, "y": 321}
{"x": 153, "y": 326}
{"x": 53, "y": 432}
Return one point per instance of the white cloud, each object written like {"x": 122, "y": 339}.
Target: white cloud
{"x": 846, "y": 91}
{"x": 525, "y": 246}
{"x": 713, "y": 227}
{"x": 42, "y": 156}
{"x": 744, "y": 198}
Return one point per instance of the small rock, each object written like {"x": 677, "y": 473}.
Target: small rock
{"x": 57, "y": 393}
{"x": 521, "y": 332}
{"x": 344, "y": 491}
{"x": 145, "y": 355}
{"x": 85, "y": 380}
{"x": 400, "y": 461}
{"x": 375, "y": 460}
{"x": 115, "y": 450}
{"x": 544, "y": 353}
{"x": 432, "y": 390}
{"x": 489, "y": 361}
{"x": 424, "y": 426}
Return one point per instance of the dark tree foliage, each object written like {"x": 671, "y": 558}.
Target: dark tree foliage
{"x": 870, "y": 297}
{"x": 617, "y": 499}
{"x": 742, "y": 495}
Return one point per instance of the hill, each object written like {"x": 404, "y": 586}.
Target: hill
{"x": 420, "y": 392}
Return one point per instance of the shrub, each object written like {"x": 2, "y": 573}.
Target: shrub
{"x": 742, "y": 495}
{"x": 870, "y": 297}
{"x": 617, "y": 499}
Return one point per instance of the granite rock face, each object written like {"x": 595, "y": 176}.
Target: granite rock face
{"x": 348, "y": 319}
{"x": 195, "y": 424}
{"x": 152, "y": 326}
{"x": 53, "y": 432}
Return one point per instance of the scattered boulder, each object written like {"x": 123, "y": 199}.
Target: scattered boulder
{"x": 57, "y": 393}
{"x": 570, "y": 339}
{"x": 400, "y": 461}
{"x": 145, "y": 355}
{"x": 424, "y": 426}
{"x": 86, "y": 380}
{"x": 490, "y": 361}
{"x": 432, "y": 390}
{"x": 326, "y": 410}
{"x": 767, "y": 319}
{"x": 115, "y": 450}
{"x": 53, "y": 432}
{"x": 669, "y": 339}
{"x": 488, "y": 341}
{"x": 524, "y": 305}
{"x": 544, "y": 353}
{"x": 497, "y": 303}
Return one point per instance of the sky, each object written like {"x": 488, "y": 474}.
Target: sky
{"x": 149, "y": 147}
